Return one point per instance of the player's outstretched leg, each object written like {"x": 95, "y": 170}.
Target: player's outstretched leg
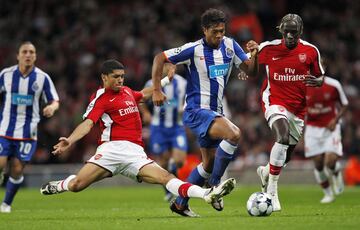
{"x": 55, "y": 187}
{"x": 263, "y": 173}
{"x": 189, "y": 190}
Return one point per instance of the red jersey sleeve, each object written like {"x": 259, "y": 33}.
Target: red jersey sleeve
{"x": 96, "y": 107}
{"x": 316, "y": 67}
{"x": 137, "y": 95}
{"x": 95, "y": 111}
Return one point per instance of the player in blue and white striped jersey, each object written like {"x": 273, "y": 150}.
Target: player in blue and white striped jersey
{"x": 21, "y": 88}
{"x": 168, "y": 141}
{"x": 208, "y": 63}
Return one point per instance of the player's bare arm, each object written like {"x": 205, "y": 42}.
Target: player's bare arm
{"x": 312, "y": 81}
{"x": 66, "y": 142}
{"x": 152, "y": 90}
{"x": 50, "y": 109}
{"x": 251, "y": 66}
{"x": 158, "y": 96}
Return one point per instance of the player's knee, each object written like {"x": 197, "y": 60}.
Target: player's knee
{"x": 331, "y": 164}
{"x": 235, "y": 135}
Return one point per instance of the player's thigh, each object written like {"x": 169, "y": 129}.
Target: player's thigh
{"x": 154, "y": 174}
{"x": 330, "y": 159}
{"x": 223, "y": 128}
{"x": 91, "y": 173}
{"x": 318, "y": 161}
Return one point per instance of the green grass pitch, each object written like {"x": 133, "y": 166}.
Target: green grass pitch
{"x": 142, "y": 207}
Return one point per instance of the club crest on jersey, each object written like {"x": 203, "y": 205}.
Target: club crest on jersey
{"x": 97, "y": 156}
{"x": 35, "y": 86}
{"x": 302, "y": 57}
{"x": 327, "y": 96}
{"x": 229, "y": 52}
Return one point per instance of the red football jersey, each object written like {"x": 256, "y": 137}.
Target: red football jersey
{"x": 118, "y": 115}
{"x": 321, "y": 102}
{"x": 286, "y": 70}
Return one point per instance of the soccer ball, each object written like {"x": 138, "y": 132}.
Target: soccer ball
{"x": 259, "y": 204}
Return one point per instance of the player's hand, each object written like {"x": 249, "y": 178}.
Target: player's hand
{"x": 242, "y": 76}
{"x": 332, "y": 125}
{"x": 61, "y": 147}
{"x": 253, "y": 47}
{"x": 49, "y": 111}
{"x": 158, "y": 98}
{"x": 312, "y": 81}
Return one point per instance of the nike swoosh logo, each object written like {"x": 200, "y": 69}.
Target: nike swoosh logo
{"x": 111, "y": 100}
{"x": 275, "y": 58}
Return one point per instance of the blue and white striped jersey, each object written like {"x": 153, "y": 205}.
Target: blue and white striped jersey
{"x": 169, "y": 115}
{"x": 19, "y": 108}
{"x": 207, "y": 70}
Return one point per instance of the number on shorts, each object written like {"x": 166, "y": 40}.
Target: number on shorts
{"x": 25, "y": 147}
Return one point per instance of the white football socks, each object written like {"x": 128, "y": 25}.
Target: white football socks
{"x": 63, "y": 185}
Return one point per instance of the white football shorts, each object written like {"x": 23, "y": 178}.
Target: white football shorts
{"x": 121, "y": 157}
{"x": 319, "y": 140}
{"x": 296, "y": 124}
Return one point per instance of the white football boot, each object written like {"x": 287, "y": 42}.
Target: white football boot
{"x": 338, "y": 183}
{"x": 217, "y": 192}
{"x": 5, "y": 208}
{"x": 51, "y": 188}
{"x": 264, "y": 177}
{"x": 328, "y": 198}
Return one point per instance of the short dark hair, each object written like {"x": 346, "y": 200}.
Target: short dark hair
{"x": 24, "y": 43}
{"x": 212, "y": 17}
{"x": 110, "y": 65}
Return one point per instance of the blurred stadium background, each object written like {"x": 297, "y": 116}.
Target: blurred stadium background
{"x": 74, "y": 37}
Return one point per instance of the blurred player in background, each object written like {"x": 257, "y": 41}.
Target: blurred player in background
{"x": 291, "y": 65}
{"x": 21, "y": 87}
{"x": 325, "y": 106}
{"x": 121, "y": 146}
{"x": 168, "y": 142}
{"x": 208, "y": 62}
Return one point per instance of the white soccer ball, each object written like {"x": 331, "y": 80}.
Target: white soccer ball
{"x": 259, "y": 204}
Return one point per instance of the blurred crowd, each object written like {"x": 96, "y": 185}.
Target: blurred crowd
{"x": 74, "y": 37}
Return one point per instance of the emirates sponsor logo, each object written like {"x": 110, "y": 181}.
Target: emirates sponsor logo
{"x": 131, "y": 109}
{"x": 97, "y": 156}
{"x": 289, "y": 75}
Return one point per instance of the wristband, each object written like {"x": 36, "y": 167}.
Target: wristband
{"x": 165, "y": 81}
